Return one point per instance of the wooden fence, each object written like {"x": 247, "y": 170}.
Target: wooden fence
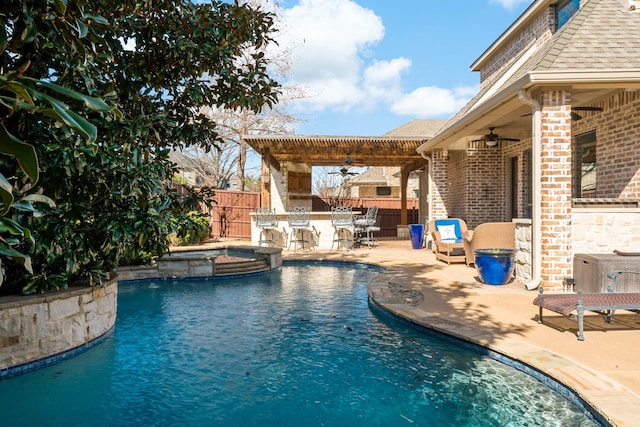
{"x": 230, "y": 217}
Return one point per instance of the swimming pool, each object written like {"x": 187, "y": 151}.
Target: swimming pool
{"x": 297, "y": 346}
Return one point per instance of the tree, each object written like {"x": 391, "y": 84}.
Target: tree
{"x": 22, "y": 95}
{"x": 233, "y": 123}
{"x": 112, "y": 204}
{"x": 334, "y": 188}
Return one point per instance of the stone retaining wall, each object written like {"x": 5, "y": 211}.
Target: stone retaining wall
{"x": 38, "y": 327}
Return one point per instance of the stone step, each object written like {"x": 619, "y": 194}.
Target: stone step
{"x": 243, "y": 267}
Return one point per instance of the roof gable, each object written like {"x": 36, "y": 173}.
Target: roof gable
{"x": 602, "y": 35}
{"x": 600, "y": 43}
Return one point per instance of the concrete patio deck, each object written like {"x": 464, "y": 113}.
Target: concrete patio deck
{"x": 603, "y": 369}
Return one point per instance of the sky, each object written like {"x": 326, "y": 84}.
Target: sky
{"x": 369, "y": 66}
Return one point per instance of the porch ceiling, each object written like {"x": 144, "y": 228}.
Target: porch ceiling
{"x": 509, "y": 116}
{"x": 331, "y": 150}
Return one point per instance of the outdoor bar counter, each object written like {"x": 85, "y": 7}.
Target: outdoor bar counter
{"x": 319, "y": 233}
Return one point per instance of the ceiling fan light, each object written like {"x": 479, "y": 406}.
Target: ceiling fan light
{"x": 491, "y": 142}
{"x": 347, "y": 162}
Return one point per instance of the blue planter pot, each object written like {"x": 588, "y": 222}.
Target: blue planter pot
{"x": 416, "y": 231}
{"x": 495, "y": 266}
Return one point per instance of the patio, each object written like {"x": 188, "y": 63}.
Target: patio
{"x": 603, "y": 369}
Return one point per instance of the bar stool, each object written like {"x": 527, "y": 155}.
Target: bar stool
{"x": 365, "y": 225}
{"x": 342, "y": 221}
{"x": 299, "y": 220}
{"x": 267, "y": 222}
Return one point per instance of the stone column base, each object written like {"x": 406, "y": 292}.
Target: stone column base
{"x": 402, "y": 231}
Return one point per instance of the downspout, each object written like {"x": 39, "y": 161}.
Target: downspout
{"x": 536, "y": 220}
{"x": 429, "y": 186}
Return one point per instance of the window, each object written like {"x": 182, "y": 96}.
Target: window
{"x": 383, "y": 191}
{"x": 585, "y": 165}
{"x": 565, "y": 9}
{"x": 521, "y": 194}
{"x": 528, "y": 185}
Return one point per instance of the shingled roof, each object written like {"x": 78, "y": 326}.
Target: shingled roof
{"x": 599, "y": 48}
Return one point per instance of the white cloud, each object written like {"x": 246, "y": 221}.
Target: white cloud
{"x": 510, "y": 4}
{"x": 382, "y": 80}
{"x": 328, "y": 40}
{"x": 331, "y": 42}
{"x": 430, "y": 101}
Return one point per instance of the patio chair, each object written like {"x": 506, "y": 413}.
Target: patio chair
{"x": 447, "y": 236}
{"x": 490, "y": 235}
{"x": 364, "y": 225}
{"x": 342, "y": 222}
{"x": 299, "y": 220}
{"x": 267, "y": 222}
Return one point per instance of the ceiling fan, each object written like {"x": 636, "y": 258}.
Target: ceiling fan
{"x": 344, "y": 172}
{"x": 575, "y": 116}
{"x": 344, "y": 169}
{"x": 491, "y": 139}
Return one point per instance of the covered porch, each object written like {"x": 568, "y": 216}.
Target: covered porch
{"x": 287, "y": 162}
{"x": 551, "y": 140}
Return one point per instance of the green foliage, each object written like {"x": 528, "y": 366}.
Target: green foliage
{"x": 105, "y": 169}
{"x": 191, "y": 228}
{"x": 39, "y": 99}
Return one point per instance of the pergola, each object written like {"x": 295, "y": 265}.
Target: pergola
{"x": 399, "y": 151}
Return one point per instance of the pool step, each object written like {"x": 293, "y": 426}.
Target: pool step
{"x": 242, "y": 267}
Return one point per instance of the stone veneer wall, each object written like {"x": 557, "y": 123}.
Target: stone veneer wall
{"x": 524, "y": 271}
{"x": 603, "y": 230}
{"x": 34, "y": 328}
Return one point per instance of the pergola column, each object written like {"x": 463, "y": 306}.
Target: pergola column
{"x": 404, "y": 183}
{"x": 265, "y": 188}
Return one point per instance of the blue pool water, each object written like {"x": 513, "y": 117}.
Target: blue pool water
{"x": 295, "y": 347}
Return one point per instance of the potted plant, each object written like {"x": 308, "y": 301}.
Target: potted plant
{"x": 495, "y": 265}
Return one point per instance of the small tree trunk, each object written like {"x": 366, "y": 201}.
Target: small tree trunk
{"x": 242, "y": 152}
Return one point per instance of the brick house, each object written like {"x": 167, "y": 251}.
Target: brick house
{"x": 383, "y": 181}
{"x": 552, "y": 139}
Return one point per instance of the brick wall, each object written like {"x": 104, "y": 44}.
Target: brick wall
{"x": 556, "y": 187}
{"x": 521, "y": 151}
{"x": 486, "y": 195}
{"x": 617, "y": 144}
{"x": 539, "y": 30}
{"x": 457, "y": 184}
{"x": 439, "y": 190}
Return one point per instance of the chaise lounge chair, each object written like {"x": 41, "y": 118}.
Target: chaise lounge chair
{"x": 608, "y": 302}
{"x": 447, "y": 238}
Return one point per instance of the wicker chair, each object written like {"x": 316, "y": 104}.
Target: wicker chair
{"x": 447, "y": 236}
{"x": 489, "y": 235}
